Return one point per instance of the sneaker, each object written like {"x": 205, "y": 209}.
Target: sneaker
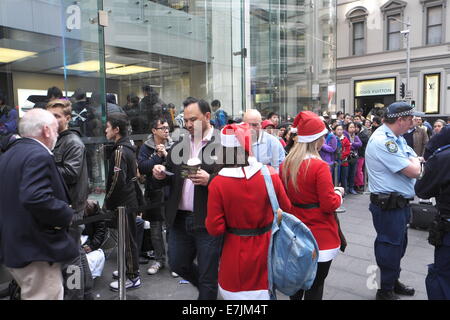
{"x": 129, "y": 284}
{"x": 154, "y": 268}
{"x": 352, "y": 191}
{"x": 175, "y": 275}
{"x": 115, "y": 274}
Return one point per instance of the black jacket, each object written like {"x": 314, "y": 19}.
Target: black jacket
{"x": 121, "y": 182}
{"x": 147, "y": 159}
{"x": 176, "y": 182}
{"x": 70, "y": 158}
{"x": 435, "y": 181}
{"x": 96, "y": 233}
{"x": 34, "y": 209}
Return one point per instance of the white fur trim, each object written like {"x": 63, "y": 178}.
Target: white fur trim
{"x": 244, "y": 295}
{"x": 314, "y": 137}
{"x": 247, "y": 173}
{"x": 327, "y": 255}
{"x": 229, "y": 140}
{"x": 340, "y": 195}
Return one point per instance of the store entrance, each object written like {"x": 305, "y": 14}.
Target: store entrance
{"x": 371, "y": 104}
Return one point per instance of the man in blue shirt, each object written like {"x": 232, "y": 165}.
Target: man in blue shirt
{"x": 266, "y": 148}
{"x": 392, "y": 168}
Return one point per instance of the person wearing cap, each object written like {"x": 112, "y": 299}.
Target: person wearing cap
{"x": 435, "y": 182}
{"x": 309, "y": 186}
{"x": 266, "y": 148}
{"x": 269, "y": 127}
{"x": 238, "y": 208}
{"x": 392, "y": 168}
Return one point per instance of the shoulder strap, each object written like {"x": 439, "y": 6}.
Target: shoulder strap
{"x": 441, "y": 149}
{"x": 270, "y": 190}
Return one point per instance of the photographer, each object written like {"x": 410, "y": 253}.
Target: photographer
{"x": 435, "y": 182}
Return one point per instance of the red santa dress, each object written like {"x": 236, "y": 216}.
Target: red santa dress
{"x": 237, "y": 198}
{"x": 316, "y": 186}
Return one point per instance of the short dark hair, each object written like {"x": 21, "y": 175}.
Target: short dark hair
{"x": 377, "y": 120}
{"x": 272, "y": 114}
{"x": 215, "y": 103}
{"x": 148, "y": 89}
{"x": 79, "y": 94}
{"x": 111, "y": 98}
{"x": 339, "y": 113}
{"x": 155, "y": 122}
{"x": 119, "y": 121}
{"x": 54, "y": 92}
{"x": 202, "y": 104}
{"x": 358, "y": 110}
{"x": 348, "y": 125}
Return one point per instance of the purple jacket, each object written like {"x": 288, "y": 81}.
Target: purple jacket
{"x": 356, "y": 143}
{"x": 328, "y": 149}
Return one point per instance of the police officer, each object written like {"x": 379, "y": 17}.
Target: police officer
{"x": 392, "y": 168}
{"x": 435, "y": 182}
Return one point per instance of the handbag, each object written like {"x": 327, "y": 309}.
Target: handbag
{"x": 293, "y": 250}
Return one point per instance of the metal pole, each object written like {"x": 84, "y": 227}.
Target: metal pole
{"x": 121, "y": 252}
{"x": 408, "y": 60}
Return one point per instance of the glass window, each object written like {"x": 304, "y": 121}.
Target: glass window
{"x": 358, "y": 38}
{"x": 434, "y": 25}
{"x": 394, "y": 39}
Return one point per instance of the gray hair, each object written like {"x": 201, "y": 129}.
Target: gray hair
{"x": 32, "y": 123}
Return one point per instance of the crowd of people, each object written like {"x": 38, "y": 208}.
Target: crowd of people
{"x": 198, "y": 174}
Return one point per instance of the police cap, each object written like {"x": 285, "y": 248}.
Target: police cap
{"x": 401, "y": 109}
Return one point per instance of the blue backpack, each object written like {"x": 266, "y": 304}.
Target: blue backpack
{"x": 293, "y": 250}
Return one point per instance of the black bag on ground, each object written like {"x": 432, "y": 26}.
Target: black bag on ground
{"x": 422, "y": 215}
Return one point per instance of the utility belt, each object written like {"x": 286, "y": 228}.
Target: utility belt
{"x": 250, "y": 232}
{"x": 389, "y": 201}
{"x": 438, "y": 229}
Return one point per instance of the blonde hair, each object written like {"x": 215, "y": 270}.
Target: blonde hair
{"x": 294, "y": 159}
{"x": 60, "y": 103}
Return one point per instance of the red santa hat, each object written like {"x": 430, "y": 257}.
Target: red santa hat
{"x": 308, "y": 126}
{"x": 237, "y": 135}
{"x": 267, "y": 123}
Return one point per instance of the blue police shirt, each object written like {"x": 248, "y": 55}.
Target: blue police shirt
{"x": 268, "y": 150}
{"x": 386, "y": 155}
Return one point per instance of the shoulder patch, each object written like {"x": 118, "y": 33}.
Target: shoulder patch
{"x": 391, "y": 146}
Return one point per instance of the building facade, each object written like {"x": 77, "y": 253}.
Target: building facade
{"x": 372, "y": 69}
{"x": 272, "y": 55}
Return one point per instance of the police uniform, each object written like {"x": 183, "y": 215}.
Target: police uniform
{"x": 386, "y": 156}
{"x": 435, "y": 182}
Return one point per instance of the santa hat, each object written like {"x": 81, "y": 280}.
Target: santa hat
{"x": 267, "y": 123}
{"x": 237, "y": 135}
{"x": 308, "y": 126}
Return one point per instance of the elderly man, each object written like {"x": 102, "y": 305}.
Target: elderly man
{"x": 266, "y": 148}
{"x": 34, "y": 210}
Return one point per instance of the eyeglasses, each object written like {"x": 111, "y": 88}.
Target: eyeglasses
{"x": 163, "y": 128}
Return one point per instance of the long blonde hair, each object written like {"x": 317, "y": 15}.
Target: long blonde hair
{"x": 295, "y": 158}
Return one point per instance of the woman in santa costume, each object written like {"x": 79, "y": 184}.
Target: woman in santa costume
{"x": 239, "y": 207}
{"x": 309, "y": 186}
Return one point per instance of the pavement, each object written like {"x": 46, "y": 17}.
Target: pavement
{"x": 352, "y": 274}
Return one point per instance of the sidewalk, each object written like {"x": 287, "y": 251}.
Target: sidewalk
{"x": 348, "y": 275}
{"x": 348, "y": 278}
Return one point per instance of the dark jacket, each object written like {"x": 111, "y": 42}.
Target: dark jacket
{"x": 34, "y": 208}
{"x": 8, "y": 120}
{"x": 121, "y": 180}
{"x": 147, "y": 159}
{"x": 70, "y": 158}
{"x": 96, "y": 233}
{"x": 176, "y": 181}
{"x": 364, "y": 137}
{"x": 437, "y": 141}
{"x": 435, "y": 181}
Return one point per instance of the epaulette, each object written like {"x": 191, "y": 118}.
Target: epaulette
{"x": 441, "y": 149}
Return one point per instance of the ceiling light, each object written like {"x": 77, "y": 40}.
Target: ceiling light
{"x": 91, "y": 66}
{"x": 10, "y": 55}
{"x": 129, "y": 70}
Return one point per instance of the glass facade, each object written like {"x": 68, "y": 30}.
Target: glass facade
{"x": 270, "y": 55}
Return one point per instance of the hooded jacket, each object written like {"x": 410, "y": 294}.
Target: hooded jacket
{"x": 147, "y": 159}
{"x": 121, "y": 181}
{"x": 70, "y": 158}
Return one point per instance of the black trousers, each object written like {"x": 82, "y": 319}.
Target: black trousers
{"x": 316, "y": 291}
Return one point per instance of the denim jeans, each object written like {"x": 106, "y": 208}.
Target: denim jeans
{"x": 156, "y": 233}
{"x": 344, "y": 177}
{"x": 185, "y": 245}
{"x": 352, "y": 165}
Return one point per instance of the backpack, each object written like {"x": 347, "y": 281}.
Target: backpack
{"x": 293, "y": 250}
